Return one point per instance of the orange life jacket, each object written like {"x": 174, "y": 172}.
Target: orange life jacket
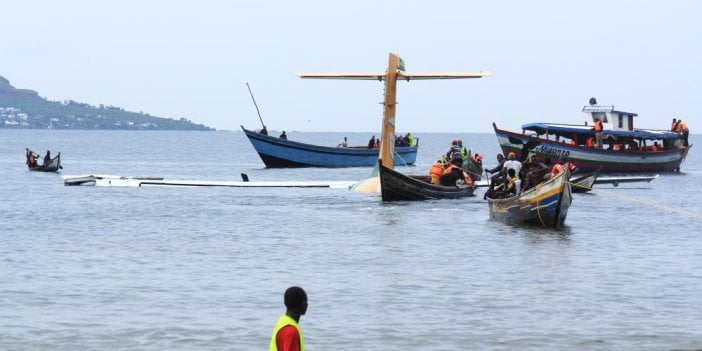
{"x": 617, "y": 147}
{"x": 557, "y": 168}
{"x": 436, "y": 170}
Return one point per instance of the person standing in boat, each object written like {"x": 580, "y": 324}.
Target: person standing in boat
{"x": 371, "y": 142}
{"x": 682, "y": 128}
{"x": 598, "y": 133}
{"x": 511, "y": 163}
{"x": 674, "y": 125}
{"x": 283, "y": 136}
{"x": 287, "y": 334}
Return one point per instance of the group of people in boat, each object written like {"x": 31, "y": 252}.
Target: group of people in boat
{"x": 32, "y": 159}
{"x": 511, "y": 177}
{"x": 457, "y": 167}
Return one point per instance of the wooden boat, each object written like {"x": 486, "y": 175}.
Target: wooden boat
{"x": 54, "y": 165}
{"x": 584, "y": 183}
{"x": 624, "y": 149}
{"x": 546, "y": 204}
{"x": 395, "y": 186}
{"x": 282, "y": 153}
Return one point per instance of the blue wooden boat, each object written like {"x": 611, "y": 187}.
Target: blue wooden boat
{"x": 282, "y": 153}
{"x": 624, "y": 149}
{"x": 545, "y": 205}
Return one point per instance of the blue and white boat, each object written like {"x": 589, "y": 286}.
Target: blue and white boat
{"x": 282, "y": 153}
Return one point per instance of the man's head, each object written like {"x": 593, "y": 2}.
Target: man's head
{"x": 511, "y": 156}
{"x": 500, "y": 157}
{"x": 296, "y": 300}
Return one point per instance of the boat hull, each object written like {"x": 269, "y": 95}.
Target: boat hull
{"x": 395, "y": 186}
{"x": 584, "y": 183}
{"x": 280, "y": 153}
{"x": 592, "y": 159}
{"x": 53, "y": 166}
{"x": 545, "y": 204}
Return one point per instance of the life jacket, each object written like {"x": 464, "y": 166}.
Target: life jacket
{"x": 283, "y": 321}
{"x": 511, "y": 182}
{"x": 436, "y": 170}
{"x": 450, "y": 168}
{"x": 617, "y": 147}
{"x": 557, "y": 168}
{"x": 478, "y": 158}
{"x": 598, "y": 126}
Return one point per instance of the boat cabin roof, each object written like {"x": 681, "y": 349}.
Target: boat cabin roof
{"x": 568, "y": 130}
{"x": 606, "y": 109}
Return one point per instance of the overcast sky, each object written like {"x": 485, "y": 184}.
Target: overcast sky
{"x": 192, "y": 58}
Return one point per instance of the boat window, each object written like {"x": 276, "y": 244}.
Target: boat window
{"x": 621, "y": 121}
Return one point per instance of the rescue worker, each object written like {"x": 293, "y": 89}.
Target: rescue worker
{"x": 435, "y": 172}
{"x": 453, "y": 173}
{"x": 287, "y": 334}
{"x": 411, "y": 140}
{"x": 598, "y": 133}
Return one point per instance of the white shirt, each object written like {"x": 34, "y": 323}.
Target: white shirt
{"x": 513, "y": 164}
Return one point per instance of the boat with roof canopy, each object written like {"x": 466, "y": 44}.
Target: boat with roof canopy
{"x": 624, "y": 149}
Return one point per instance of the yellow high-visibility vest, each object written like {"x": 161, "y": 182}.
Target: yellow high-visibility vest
{"x": 283, "y": 321}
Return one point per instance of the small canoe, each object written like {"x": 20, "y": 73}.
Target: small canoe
{"x": 54, "y": 165}
{"x": 546, "y": 204}
{"x": 395, "y": 186}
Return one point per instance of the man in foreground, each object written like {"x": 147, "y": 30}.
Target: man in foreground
{"x": 287, "y": 335}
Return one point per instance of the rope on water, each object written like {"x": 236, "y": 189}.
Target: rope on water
{"x": 647, "y": 202}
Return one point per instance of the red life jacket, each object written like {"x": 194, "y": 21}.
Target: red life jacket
{"x": 557, "y": 168}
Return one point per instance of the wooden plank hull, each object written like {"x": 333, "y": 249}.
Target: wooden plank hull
{"x": 395, "y": 186}
{"x": 544, "y": 205}
{"x": 279, "y": 153}
{"x": 592, "y": 159}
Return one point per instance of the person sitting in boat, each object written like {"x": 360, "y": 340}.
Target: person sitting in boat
{"x": 560, "y": 166}
{"x": 511, "y": 163}
{"x": 411, "y": 140}
{"x": 344, "y": 143}
{"x": 514, "y": 184}
{"x": 264, "y": 130}
{"x": 435, "y": 172}
{"x": 283, "y": 136}
{"x": 535, "y": 171}
{"x": 371, "y": 142}
{"x": 31, "y": 159}
{"x": 47, "y": 158}
{"x": 655, "y": 147}
{"x": 377, "y": 143}
{"x": 497, "y": 170}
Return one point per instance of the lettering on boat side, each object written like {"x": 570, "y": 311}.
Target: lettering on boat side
{"x": 545, "y": 149}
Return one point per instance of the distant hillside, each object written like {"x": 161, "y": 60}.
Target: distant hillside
{"x": 24, "y": 108}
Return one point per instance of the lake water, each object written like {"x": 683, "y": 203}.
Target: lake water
{"x": 91, "y": 268}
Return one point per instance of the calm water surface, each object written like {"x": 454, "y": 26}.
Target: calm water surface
{"x": 86, "y": 268}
